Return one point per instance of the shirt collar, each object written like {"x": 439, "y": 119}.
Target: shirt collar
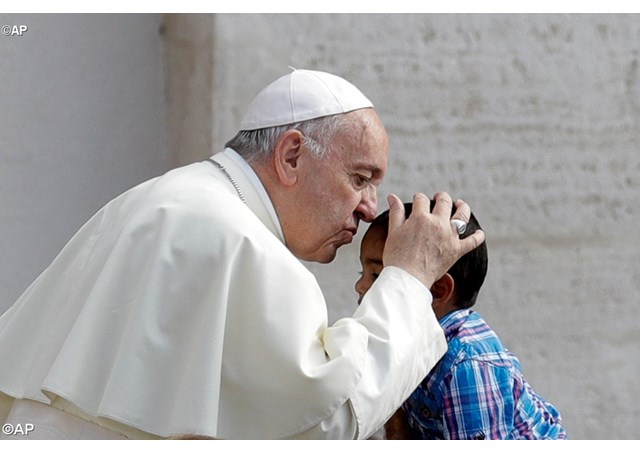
{"x": 451, "y": 322}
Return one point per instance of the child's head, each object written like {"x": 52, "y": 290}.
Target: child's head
{"x": 458, "y": 288}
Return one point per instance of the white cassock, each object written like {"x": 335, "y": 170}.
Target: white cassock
{"x": 178, "y": 310}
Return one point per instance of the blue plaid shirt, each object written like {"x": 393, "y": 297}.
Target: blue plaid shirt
{"x": 477, "y": 390}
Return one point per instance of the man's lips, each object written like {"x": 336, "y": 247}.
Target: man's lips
{"x": 346, "y": 235}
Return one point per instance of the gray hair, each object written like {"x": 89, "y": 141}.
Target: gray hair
{"x": 318, "y": 134}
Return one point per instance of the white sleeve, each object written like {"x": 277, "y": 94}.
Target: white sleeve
{"x": 341, "y": 425}
{"x": 404, "y": 342}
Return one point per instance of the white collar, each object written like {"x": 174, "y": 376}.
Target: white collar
{"x": 257, "y": 185}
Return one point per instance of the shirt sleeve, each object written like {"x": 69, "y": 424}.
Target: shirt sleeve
{"x": 478, "y": 401}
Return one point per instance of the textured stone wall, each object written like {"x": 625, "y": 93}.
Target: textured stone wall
{"x": 535, "y": 121}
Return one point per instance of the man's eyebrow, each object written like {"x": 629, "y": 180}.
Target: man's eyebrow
{"x": 371, "y": 167}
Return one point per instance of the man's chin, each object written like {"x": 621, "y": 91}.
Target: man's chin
{"x": 324, "y": 256}
{"x": 325, "y": 259}
{"x": 328, "y": 253}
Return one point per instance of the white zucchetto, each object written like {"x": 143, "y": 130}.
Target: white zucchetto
{"x": 302, "y": 95}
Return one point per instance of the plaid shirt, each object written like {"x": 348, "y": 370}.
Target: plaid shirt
{"x": 477, "y": 390}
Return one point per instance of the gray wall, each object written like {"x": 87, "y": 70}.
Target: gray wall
{"x": 535, "y": 120}
{"x": 82, "y": 118}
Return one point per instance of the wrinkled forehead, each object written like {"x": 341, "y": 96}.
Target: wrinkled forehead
{"x": 363, "y": 141}
{"x": 367, "y": 124}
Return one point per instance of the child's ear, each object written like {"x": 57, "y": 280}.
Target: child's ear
{"x": 442, "y": 292}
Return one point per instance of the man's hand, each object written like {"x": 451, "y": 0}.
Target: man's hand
{"x": 427, "y": 244}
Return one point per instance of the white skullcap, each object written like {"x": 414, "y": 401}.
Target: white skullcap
{"x": 302, "y": 95}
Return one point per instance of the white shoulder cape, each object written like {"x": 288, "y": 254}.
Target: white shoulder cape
{"x": 175, "y": 310}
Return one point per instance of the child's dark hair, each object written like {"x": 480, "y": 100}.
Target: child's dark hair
{"x": 468, "y": 272}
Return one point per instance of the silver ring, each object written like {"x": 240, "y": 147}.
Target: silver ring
{"x": 460, "y": 225}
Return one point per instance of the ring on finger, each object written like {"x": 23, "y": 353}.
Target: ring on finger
{"x": 460, "y": 226}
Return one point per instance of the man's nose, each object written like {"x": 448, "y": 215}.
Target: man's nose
{"x": 368, "y": 207}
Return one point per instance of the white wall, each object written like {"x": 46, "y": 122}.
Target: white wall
{"x": 82, "y": 118}
{"x": 535, "y": 120}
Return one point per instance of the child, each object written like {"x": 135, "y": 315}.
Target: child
{"x": 477, "y": 390}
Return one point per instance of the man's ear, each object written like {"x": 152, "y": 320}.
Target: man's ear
{"x": 286, "y": 156}
{"x": 442, "y": 292}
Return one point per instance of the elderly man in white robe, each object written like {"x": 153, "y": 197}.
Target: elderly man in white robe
{"x": 182, "y": 308}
